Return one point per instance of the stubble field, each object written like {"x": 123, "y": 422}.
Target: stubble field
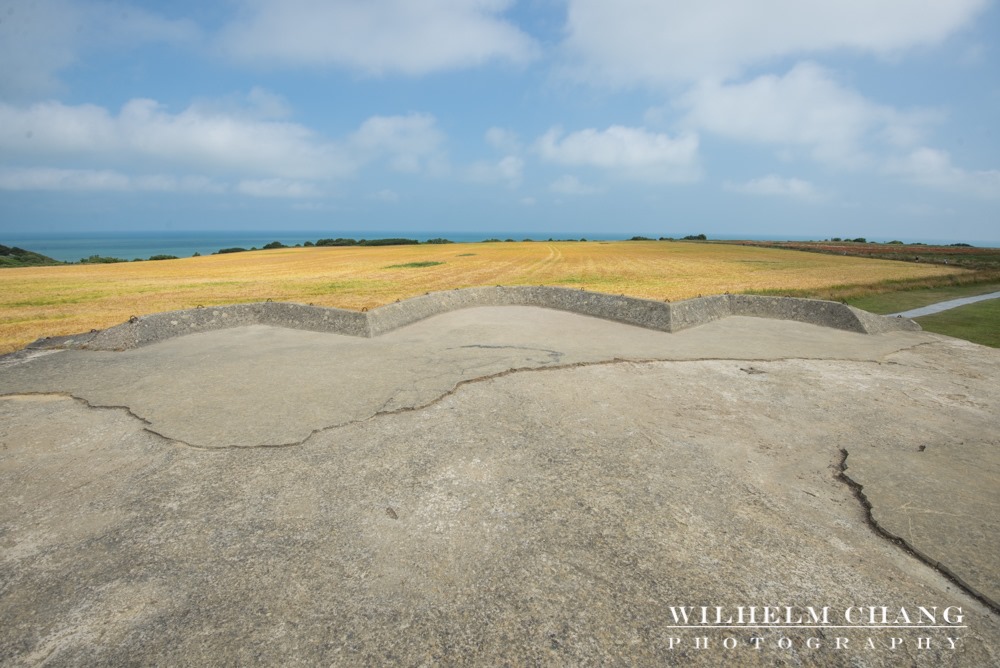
{"x": 52, "y": 301}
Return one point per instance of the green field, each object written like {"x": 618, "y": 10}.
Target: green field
{"x": 979, "y": 322}
{"x": 895, "y": 302}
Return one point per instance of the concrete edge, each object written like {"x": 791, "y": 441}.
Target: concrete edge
{"x": 647, "y": 313}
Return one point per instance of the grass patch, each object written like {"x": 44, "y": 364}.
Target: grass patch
{"x": 979, "y": 322}
{"x": 334, "y": 287}
{"x": 894, "y": 302}
{"x": 855, "y": 293}
{"x": 411, "y": 265}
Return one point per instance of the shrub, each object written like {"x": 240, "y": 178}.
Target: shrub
{"x": 439, "y": 240}
{"x": 860, "y": 240}
{"x": 695, "y": 237}
{"x": 388, "y": 242}
{"x": 640, "y": 239}
{"x": 339, "y": 241}
{"x": 162, "y": 257}
{"x": 97, "y": 259}
{"x": 273, "y": 245}
{"x": 308, "y": 244}
{"x": 234, "y": 249}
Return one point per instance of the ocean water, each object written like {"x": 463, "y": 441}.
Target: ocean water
{"x": 138, "y": 245}
{"x": 141, "y": 245}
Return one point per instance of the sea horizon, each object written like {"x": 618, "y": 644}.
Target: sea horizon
{"x": 133, "y": 245}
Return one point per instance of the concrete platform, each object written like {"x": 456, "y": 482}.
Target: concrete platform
{"x": 504, "y": 485}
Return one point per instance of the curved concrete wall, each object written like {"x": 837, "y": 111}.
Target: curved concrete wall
{"x": 662, "y": 316}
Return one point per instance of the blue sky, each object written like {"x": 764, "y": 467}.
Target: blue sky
{"x": 791, "y": 118}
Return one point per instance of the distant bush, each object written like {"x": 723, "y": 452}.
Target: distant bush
{"x": 235, "y": 249}
{"x": 836, "y": 239}
{"x": 894, "y": 243}
{"x": 339, "y": 241}
{"x": 439, "y": 240}
{"x": 388, "y": 242}
{"x": 196, "y": 254}
{"x": 963, "y": 245}
{"x": 490, "y": 241}
{"x": 527, "y": 239}
{"x": 666, "y": 239}
{"x": 162, "y": 257}
{"x": 308, "y": 244}
{"x": 273, "y": 245}
{"x": 640, "y": 239}
{"x": 508, "y": 241}
{"x": 860, "y": 240}
{"x": 97, "y": 259}
{"x": 695, "y": 237}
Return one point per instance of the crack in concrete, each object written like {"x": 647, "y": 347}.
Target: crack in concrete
{"x": 903, "y": 544}
{"x": 112, "y": 407}
{"x": 405, "y": 409}
{"x": 856, "y": 488}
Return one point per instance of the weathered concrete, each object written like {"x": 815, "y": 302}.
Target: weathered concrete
{"x": 225, "y": 376}
{"x": 501, "y": 485}
{"x": 646, "y": 313}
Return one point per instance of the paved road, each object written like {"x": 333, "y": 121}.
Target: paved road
{"x": 945, "y": 306}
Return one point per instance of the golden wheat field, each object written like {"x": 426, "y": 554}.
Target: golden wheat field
{"x": 52, "y": 301}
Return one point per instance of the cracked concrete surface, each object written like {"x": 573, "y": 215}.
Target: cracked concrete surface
{"x": 497, "y": 485}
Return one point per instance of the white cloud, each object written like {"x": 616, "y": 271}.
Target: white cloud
{"x": 507, "y": 170}
{"x": 649, "y": 42}
{"x": 258, "y": 104}
{"x": 630, "y": 152}
{"x": 570, "y": 185}
{"x": 929, "y": 167}
{"x": 385, "y": 195}
{"x": 89, "y": 180}
{"x": 411, "y": 143}
{"x": 277, "y": 188}
{"x": 805, "y": 109}
{"x": 777, "y": 186}
{"x": 260, "y": 157}
{"x": 377, "y": 36}
{"x": 39, "y": 39}
{"x": 143, "y": 131}
{"x": 504, "y": 140}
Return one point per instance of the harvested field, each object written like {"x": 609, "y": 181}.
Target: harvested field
{"x": 51, "y": 301}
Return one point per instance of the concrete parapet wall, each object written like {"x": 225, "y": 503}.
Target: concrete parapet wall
{"x": 647, "y": 313}
{"x": 812, "y": 311}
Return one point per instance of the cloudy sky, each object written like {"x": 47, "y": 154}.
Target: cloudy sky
{"x": 795, "y": 118}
